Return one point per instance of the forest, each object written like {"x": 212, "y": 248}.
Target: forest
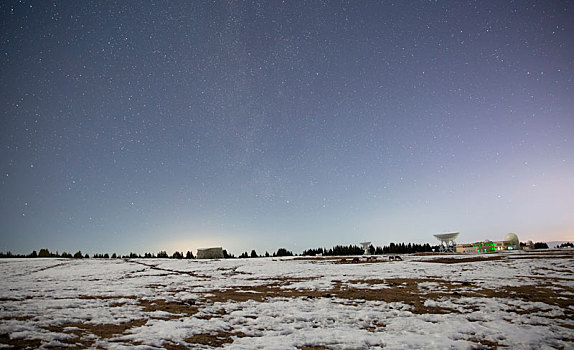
{"x": 338, "y": 250}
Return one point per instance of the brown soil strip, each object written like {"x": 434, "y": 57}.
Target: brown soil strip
{"x": 489, "y": 344}
{"x": 104, "y": 297}
{"x": 463, "y": 260}
{"x": 284, "y": 280}
{"x": 20, "y": 343}
{"x": 50, "y": 267}
{"x": 519, "y": 257}
{"x": 132, "y": 274}
{"x": 177, "y": 308}
{"x": 232, "y": 271}
{"x": 376, "y": 326}
{"x": 405, "y": 291}
{"x": 360, "y": 261}
{"x": 216, "y": 339}
{"x": 553, "y": 279}
{"x": 102, "y": 331}
{"x": 109, "y": 330}
{"x": 400, "y": 290}
{"x": 312, "y": 258}
{"x": 39, "y": 270}
{"x": 544, "y": 294}
{"x": 11, "y": 299}
{"x": 16, "y": 318}
{"x": 346, "y": 259}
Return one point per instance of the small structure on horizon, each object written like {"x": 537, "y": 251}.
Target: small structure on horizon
{"x": 210, "y": 253}
{"x": 447, "y": 243}
{"x": 366, "y": 246}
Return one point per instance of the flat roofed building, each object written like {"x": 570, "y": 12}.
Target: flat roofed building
{"x": 210, "y": 253}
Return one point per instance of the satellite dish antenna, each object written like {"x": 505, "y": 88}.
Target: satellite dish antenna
{"x": 447, "y": 243}
{"x": 366, "y": 246}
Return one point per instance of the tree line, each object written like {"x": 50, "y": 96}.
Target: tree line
{"x": 45, "y": 253}
{"x": 537, "y": 245}
{"x": 392, "y": 248}
{"x": 338, "y": 250}
{"x": 280, "y": 252}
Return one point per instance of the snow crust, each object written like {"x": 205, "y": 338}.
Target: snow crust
{"x": 53, "y": 300}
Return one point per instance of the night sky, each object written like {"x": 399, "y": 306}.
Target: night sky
{"x": 147, "y": 126}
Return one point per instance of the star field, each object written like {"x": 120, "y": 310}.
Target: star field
{"x": 258, "y": 125}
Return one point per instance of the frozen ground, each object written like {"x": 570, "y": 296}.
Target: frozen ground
{"x": 519, "y": 300}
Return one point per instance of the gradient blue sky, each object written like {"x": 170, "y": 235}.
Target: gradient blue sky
{"x": 130, "y": 126}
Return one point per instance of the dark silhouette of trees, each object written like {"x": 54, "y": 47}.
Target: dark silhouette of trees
{"x": 283, "y": 252}
{"x": 402, "y": 248}
{"x": 566, "y": 245}
{"x": 45, "y": 253}
{"x": 345, "y": 250}
{"x": 540, "y": 245}
{"x": 313, "y": 252}
{"x": 392, "y": 248}
{"x": 336, "y": 250}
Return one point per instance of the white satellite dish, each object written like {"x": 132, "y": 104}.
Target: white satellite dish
{"x": 366, "y": 246}
{"x": 447, "y": 243}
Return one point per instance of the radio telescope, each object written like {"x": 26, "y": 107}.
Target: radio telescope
{"x": 366, "y": 246}
{"x": 447, "y": 243}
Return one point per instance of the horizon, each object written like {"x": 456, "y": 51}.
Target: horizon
{"x": 234, "y": 254}
{"x": 259, "y": 126}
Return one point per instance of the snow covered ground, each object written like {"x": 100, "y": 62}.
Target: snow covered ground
{"x": 517, "y": 300}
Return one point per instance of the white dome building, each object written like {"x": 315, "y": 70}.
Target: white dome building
{"x": 512, "y": 240}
